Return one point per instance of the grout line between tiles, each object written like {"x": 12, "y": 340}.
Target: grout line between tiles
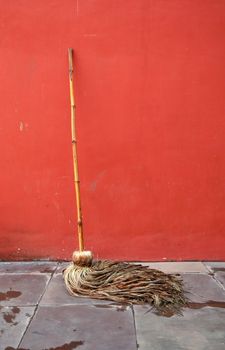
{"x": 208, "y": 268}
{"x": 135, "y": 328}
{"x": 35, "y": 310}
{"x": 218, "y": 282}
{"x": 47, "y": 284}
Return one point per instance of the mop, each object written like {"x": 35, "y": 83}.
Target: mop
{"x": 120, "y": 282}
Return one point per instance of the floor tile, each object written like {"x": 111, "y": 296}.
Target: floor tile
{"x": 22, "y": 289}
{"x": 220, "y": 276}
{"x": 82, "y": 327}
{"x": 57, "y": 294}
{"x": 202, "y": 287}
{"x": 202, "y": 329}
{"x": 28, "y": 267}
{"x": 13, "y": 323}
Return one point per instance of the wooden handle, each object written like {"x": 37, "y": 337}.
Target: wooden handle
{"x": 74, "y": 150}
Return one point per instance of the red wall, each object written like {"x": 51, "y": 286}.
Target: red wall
{"x": 150, "y": 90}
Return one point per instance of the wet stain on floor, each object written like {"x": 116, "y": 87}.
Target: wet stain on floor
{"x": 211, "y": 303}
{"x": 69, "y": 346}
{"x": 11, "y": 348}
{"x": 193, "y": 306}
{"x": 10, "y": 294}
{"x": 103, "y": 306}
{"x": 47, "y": 270}
{"x": 15, "y": 309}
{"x": 10, "y": 316}
{"x": 165, "y": 313}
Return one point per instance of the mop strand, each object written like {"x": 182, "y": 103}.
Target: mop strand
{"x": 116, "y": 281}
{"x": 128, "y": 283}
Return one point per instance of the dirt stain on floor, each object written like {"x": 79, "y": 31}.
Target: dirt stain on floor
{"x": 68, "y": 346}
{"x": 10, "y": 294}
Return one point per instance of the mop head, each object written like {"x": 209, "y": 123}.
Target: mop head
{"x": 128, "y": 283}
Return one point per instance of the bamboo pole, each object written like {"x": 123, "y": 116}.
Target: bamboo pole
{"x": 74, "y": 150}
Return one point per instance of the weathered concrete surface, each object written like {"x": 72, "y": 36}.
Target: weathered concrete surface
{"x": 200, "y": 329}
{"x": 82, "y": 327}
{"x": 28, "y": 267}
{"x": 22, "y": 289}
{"x": 202, "y": 287}
{"x": 37, "y": 313}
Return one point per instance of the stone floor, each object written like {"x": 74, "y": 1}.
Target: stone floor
{"x": 36, "y": 313}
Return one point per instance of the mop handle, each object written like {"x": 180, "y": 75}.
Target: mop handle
{"x": 74, "y": 149}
